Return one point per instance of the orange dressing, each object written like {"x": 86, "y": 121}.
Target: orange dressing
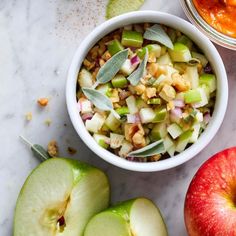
{"x": 220, "y": 14}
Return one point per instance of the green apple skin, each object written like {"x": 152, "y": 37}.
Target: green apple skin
{"x": 60, "y": 187}
{"x": 139, "y": 217}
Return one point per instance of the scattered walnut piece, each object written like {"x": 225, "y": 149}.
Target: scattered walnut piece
{"x": 155, "y": 157}
{"x": 71, "y": 150}
{"x": 180, "y": 83}
{"x": 43, "y": 102}
{"x": 28, "y": 116}
{"x": 53, "y": 148}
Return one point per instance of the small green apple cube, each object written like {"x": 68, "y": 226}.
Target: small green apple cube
{"x": 183, "y": 141}
{"x": 180, "y": 53}
{"x": 131, "y": 103}
{"x": 102, "y": 140}
{"x": 168, "y": 142}
{"x": 171, "y": 151}
{"x": 147, "y": 115}
{"x": 104, "y": 88}
{"x": 119, "y": 81}
{"x": 200, "y": 57}
{"x": 85, "y": 79}
{"x": 112, "y": 123}
{"x": 191, "y": 74}
{"x": 116, "y": 140}
{"x": 192, "y": 96}
{"x": 95, "y": 124}
{"x": 126, "y": 148}
{"x": 154, "y": 101}
{"x": 122, "y": 111}
{"x": 132, "y": 39}
{"x": 164, "y": 59}
{"x": 199, "y": 116}
{"x": 174, "y": 130}
{"x": 204, "y": 99}
{"x": 114, "y": 46}
{"x": 208, "y": 80}
{"x": 140, "y": 103}
{"x": 160, "y": 114}
{"x": 153, "y": 49}
{"x": 195, "y": 133}
{"x": 127, "y": 68}
{"x": 158, "y": 132}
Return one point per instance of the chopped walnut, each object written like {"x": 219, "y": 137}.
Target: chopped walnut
{"x": 140, "y": 89}
{"x": 71, "y": 150}
{"x": 89, "y": 65}
{"x": 43, "y": 102}
{"x": 180, "y": 83}
{"x": 155, "y": 157}
{"x": 53, "y": 148}
{"x": 106, "y": 56}
{"x": 151, "y": 92}
{"x": 139, "y": 140}
{"x": 152, "y": 68}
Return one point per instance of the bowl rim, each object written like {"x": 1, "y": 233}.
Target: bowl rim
{"x": 174, "y": 22}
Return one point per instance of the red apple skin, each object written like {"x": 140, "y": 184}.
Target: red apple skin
{"x": 210, "y": 204}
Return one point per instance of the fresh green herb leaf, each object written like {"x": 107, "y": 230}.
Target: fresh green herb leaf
{"x": 135, "y": 77}
{"x": 118, "y": 7}
{"x": 156, "y": 33}
{"x": 99, "y": 100}
{"x": 150, "y": 150}
{"x": 37, "y": 150}
{"x": 111, "y": 67}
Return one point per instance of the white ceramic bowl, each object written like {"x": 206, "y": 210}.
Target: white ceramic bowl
{"x": 177, "y": 23}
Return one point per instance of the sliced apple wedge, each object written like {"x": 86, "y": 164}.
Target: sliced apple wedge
{"x": 59, "y": 197}
{"x": 138, "y": 217}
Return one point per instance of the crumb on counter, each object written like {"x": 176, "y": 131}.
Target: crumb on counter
{"x": 71, "y": 150}
{"x": 43, "y": 102}
{"x": 28, "y": 116}
{"x": 53, "y": 148}
{"x": 48, "y": 122}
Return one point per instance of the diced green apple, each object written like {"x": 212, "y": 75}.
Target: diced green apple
{"x": 102, "y": 140}
{"x": 192, "y": 96}
{"x": 119, "y": 81}
{"x": 147, "y": 115}
{"x": 168, "y": 142}
{"x": 127, "y": 68}
{"x": 114, "y": 46}
{"x": 104, "y": 88}
{"x": 59, "y": 197}
{"x": 85, "y": 79}
{"x": 183, "y": 141}
{"x": 122, "y": 111}
{"x": 96, "y": 123}
{"x": 158, "y": 132}
{"x": 204, "y": 98}
{"x": 139, "y": 217}
{"x": 153, "y": 49}
{"x": 112, "y": 122}
{"x": 191, "y": 74}
{"x": 164, "y": 59}
{"x": 180, "y": 53}
{"x": 126, "y": 148}
{"x": 171, "y": 151}
{"x": 208, "y": 80}
{"x": 195, "y": 134}
{"x": 174, "y": 130}
{"x": 132, "y": 39}
{"x": 116, "y": 140}
{"x": 160, "y": 114}
{"x": 131, "y": 103}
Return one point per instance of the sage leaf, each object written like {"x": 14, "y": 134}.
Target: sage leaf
{"x": 37, "y": 150}
{"x": 99, "y": 100}
{"x": 111, "y": 67}
{"x": 135, "y": 77}
{"x": 157, "y": 33}
{"x": 150, "y": 150}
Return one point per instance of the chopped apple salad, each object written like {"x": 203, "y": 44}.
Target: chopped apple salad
{"x": 146, "y": 92}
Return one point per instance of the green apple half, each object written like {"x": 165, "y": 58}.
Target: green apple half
{"x": 59, "y": 198}
{"x": 138, "y": 217}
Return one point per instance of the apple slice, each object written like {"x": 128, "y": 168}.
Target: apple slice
{"x": 138, "y": 217}
{"x": 59, "y": 197}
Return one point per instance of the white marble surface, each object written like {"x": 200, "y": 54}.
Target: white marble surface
{"x": 37, "y": 42}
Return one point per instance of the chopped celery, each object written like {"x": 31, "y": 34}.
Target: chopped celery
{"x": 181, "y": 67}
{"x": 114, "y": 46}
{"x": 132, "y": 39}
{"x": 204, "y": 98}
{"x": 153, "y": 49}
{"x": 185, "y": 40}
{"x": 154, "y": 101}
{"x": 161, "y": 114}
{"x": 192, "y": 96}
{"x": 140, "y": 103}
{"x": 168, "y": 142}
{"x": 112, "y": 123}
{"x": 191, "y": 74}
{"x": 122, "y": 111}
{"x": 164, "y": 59}
{"x": 171, "y": 151}
{"x": 131, "y": 103}
{"x": 146, "y": 115}
{"x": 195, "y": 133}
{"x": 158, "y": 132}
{"x": 208, "y": 80}
{"x": 183, "y": 141}
{"x": 174, "y": 130}
{"x": 119, "y": 81}
{"x": 180, "y": 53}
{"x": 201, "y": 58}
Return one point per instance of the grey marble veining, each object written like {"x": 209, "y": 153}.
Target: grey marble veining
{"x": 37, "y": 42}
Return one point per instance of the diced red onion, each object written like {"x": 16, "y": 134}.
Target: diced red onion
{"x": 124, "y": 94}
{"x": 87, "y": 116}
{"x": 176, "y": 112}
{"x": 206, "y": 118}
{"x": 179, "y": 103}
{"x": 135, "y": 60}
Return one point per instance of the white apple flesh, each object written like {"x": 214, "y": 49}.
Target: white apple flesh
{"x": 59, "y": 197}
{"x": 210, "y": 204}
{"x": 138, "y": 217}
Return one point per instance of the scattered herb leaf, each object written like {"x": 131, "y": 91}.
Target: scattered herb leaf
{"x": 150, "y": 150}
{"x": 37, "y": 150}
{"x": 111, "y": 67}
{"x": 135, "y": 77}
{"x": 157, "y": 33}
{"x": 99, "y": 100}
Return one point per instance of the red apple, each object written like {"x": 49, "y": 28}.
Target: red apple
{"x": 210, "y": 204}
